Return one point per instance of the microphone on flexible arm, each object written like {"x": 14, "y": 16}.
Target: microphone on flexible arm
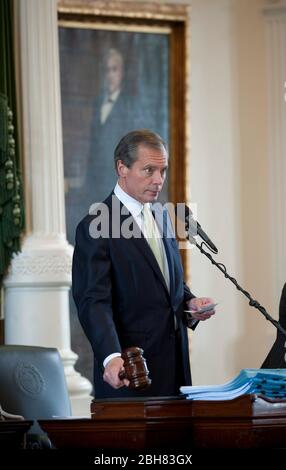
{"x": 192, "y": 226}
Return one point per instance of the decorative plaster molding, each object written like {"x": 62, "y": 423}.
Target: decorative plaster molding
{"x": 31, "y": 264}
{"x": 46, "y": 268}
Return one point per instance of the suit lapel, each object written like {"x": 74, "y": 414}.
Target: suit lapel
{"x": 140, "y": 242}
{"x": 161, "y": 216}
{"x": 142, "y": 245}
{"x": 171, "y": 249}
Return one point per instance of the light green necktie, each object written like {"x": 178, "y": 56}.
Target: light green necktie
{"x": 153, "y": 237}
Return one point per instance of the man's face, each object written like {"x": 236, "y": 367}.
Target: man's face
{"x": 145, "y": 179}
{"x": 114, "y": 74}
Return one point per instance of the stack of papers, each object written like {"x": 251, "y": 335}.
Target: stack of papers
{"x": 268, "y": 382}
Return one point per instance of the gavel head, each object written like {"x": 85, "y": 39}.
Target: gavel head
{"x": 135, "y": 368}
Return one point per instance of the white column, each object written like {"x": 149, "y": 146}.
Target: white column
{"x": 275, "y": 17}
{"x": 38, "y": 283}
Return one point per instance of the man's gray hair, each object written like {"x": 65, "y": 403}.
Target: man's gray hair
{"x": 126, "y": 150}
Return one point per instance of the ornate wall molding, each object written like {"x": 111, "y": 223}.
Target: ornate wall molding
{"x": 31, "y": 264}
{"x": 132, "y": 9}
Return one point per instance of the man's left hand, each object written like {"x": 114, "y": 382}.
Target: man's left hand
{"x": 196, "y": 304}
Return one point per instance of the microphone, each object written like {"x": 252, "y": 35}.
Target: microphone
{"x": 192, "y": 226}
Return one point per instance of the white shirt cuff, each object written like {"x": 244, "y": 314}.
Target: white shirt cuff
{"x": 108, "y": 358}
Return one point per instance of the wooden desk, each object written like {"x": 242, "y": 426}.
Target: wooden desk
{"x": 249, "y": 421}
{"x": 12, "y": 434}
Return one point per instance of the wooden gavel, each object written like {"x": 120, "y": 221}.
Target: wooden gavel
{"x": 135, "y": 368}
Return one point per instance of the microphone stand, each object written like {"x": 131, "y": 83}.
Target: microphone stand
{"x": 222, "y": 268}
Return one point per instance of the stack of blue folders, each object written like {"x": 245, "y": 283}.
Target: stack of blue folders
{"x": 268, "y": 382}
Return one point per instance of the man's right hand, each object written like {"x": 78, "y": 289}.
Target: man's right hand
{"x": 111, "y": 373}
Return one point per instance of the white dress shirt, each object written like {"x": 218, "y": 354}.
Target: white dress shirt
{"x": 108, "y": 105}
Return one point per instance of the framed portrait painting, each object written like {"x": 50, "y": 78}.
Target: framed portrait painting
{"x": 123, "y": 66}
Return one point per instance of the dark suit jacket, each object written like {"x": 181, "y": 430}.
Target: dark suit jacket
{"x": 123, "y": 301}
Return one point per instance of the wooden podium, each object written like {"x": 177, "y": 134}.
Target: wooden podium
{"x": 249, "y": 421}
{"x": 13, "y": 433}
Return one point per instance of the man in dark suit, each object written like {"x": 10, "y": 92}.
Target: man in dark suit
{"x": 129, "y": 289}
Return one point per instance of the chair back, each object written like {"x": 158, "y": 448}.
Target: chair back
{"x": 32, "y": 383}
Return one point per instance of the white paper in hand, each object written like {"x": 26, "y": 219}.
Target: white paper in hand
{"x": 204, "y": 309}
